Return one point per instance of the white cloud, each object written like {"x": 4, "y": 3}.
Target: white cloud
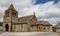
{"x": 47, "y": 11}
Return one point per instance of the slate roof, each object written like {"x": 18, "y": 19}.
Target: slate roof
{"x": 43, "y": 23}
{"x": 11, "y": 7}
{"x": 24, "y": 19}
{"x": 57, "y": 26}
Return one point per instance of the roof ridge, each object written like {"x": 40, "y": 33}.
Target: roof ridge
{"x": 25, "y": 16}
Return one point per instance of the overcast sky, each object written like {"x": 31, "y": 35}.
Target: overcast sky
{"x": 48, "y": 10}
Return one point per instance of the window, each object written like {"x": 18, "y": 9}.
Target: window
{"x": 14, "y": 13}
{"x": 39, "y": 27}
{"x": 15, "y": 27}
{"x": 44, "y": 28}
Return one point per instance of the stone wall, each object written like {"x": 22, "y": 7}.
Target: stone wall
{"x": 20, "y": 27}
{"x": 40, "y": 28}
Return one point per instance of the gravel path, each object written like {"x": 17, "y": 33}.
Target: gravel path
{"x": 29, "y": 34}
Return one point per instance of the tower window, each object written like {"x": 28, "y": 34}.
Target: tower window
{"x": 14, "y": 13}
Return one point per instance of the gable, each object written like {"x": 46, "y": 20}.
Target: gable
{"x": 33, "y": 20}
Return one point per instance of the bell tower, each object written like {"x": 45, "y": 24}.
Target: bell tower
{"x": 9, "y": 17}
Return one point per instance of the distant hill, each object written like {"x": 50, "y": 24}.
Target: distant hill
{"x": 0, "y": 23}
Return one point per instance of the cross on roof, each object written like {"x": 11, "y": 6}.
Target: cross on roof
{"x": 11, "y": 1}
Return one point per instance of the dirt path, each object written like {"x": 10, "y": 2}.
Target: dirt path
{"x": 30, "y": 34}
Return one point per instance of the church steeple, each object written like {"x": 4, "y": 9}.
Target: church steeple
{"x": 10, "y": 16}
{"x": 11, "y": 7}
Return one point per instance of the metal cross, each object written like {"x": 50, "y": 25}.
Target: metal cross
{"x": 11, "y": 1}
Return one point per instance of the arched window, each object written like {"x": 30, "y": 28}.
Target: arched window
{"x": 14, "y": 14}
{"x": 39, "y": 27}
{"x": 44, "y": 28}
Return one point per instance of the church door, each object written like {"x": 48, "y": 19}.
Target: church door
{"x": 7, "y": 27}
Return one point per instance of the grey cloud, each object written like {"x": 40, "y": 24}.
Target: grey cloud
{"x": 47, "y": 11}
{"x": 50, "y": 15}
{"x": 53, "y": 21}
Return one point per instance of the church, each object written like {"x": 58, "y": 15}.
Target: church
{"x": 13, "y": 23}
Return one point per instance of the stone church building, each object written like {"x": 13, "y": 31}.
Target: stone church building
{"x": 11, "y": 22}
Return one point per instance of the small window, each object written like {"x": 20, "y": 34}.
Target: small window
{"x": 14, "y": 13}
{"x": 44, "y": 28}
{"x": 39, "y": 27}
{"x": 15, "y": 27}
